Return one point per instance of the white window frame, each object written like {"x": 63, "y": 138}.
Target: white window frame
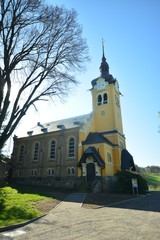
{"x": 21, "y": 153}
{"x": 36, "y": 152}
{"x": 34, "y": 172}
{"x": 51, "y": 172}
{"x": 50, "y": 146}
{"x": 105, "y": 101}
{"x": 71, "y": 171}
{"x": 99, "y": 102}
{"x": 73, "y": 147}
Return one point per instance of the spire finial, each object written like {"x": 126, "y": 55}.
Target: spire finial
{"x": 103, "y": 47}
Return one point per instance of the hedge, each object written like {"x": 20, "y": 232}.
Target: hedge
{"x": 124, "y": 182}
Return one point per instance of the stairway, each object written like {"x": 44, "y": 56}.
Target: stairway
{"x": 91, "y": 186}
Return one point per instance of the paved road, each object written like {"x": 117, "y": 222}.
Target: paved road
{"x": 133, "y": 219}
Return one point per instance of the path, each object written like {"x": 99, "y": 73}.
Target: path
{"x": 120, "y": 221}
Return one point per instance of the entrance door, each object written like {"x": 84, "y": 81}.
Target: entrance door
{"x": 90, "y": 171}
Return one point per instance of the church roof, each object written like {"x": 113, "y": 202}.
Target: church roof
{"x": 91, "y": 151}
{"x": 95, "y": 137}
{"x": 127, "y": 162}
{"x": 64, "y": 124}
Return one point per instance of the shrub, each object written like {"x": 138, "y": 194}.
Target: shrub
{"x": 124, "y": 182}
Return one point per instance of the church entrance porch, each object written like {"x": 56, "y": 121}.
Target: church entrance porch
{"x": 91, "y": 164}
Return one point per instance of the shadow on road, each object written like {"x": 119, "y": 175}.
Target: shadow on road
{"x": 150, "y": 202}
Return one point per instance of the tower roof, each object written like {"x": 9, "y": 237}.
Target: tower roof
{"x": 104, "y": 67}
{"x": 104, "y": 70}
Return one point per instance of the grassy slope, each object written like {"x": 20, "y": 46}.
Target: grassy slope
{"x": 16, "y": 207}
{"x": 153, "y": 180}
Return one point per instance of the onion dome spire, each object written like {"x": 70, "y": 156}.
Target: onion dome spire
{"x": 104, "y": 67}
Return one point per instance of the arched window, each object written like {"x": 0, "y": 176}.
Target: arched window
{"x": 73, "y": 170}
{"x": 71, "y": 147}
{"x": 105, "y": 98}
{"x": 68, "y": 171}
{"x": 34, "y": 172}
{"x": 52, "y": 150}
{"x": 51, "y": 171}
{"x": 21, "y": 153}
{"x": 36, "y": 152}
{"x": 99, "y": 99}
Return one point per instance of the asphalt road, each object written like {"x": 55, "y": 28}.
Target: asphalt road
{"x": 133, "y": 219}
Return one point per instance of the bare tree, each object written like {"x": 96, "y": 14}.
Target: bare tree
{"x": 41, "y": 48}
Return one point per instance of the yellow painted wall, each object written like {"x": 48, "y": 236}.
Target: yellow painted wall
{"x": 107, "y": 116}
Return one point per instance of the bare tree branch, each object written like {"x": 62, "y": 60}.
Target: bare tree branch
{"x": 41, "y": 48}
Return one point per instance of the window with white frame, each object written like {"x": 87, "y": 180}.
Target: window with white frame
{"x": 109, "y": 157}
{"x": 71, "y": 148}
{"x": 34, "y": 172}
{"x": 99, "y": 102}
{"x": 102, "y": 99}
{"x": 72, "y": 170}
{"x": 21, "y": 153}
{"x": 51, "y": 171}
{"x": 105, "y": 98}
{"x": 36, "y": 152}
{"x": 68, "y": 171}
{"x": 52, "y": 150}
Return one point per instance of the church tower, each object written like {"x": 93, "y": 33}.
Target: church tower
{"x": 102, "y": 143}
{"x": 106, "y": 101}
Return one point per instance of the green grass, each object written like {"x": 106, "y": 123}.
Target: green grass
{"x": 153, "y": 180}
{"x": 17, "y": 205}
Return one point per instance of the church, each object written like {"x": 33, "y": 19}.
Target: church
{"x": 84, "y": 148}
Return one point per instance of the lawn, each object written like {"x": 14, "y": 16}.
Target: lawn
{"x": 153, "y": 180}
{"x": 18, "y": 205}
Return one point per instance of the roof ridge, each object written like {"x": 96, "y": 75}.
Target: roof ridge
{"x": 69, "y": 118}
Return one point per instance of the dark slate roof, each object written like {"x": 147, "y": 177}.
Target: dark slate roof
{"x": 104, "y": 72}
{"x": 108, "y": 78}
{"x": 127, "y": 162}
{"x": 64, "y": 124}
{"x": 91, "y": 151}
{"x": 95, "y": 137}
{"x": 112, "y": 132}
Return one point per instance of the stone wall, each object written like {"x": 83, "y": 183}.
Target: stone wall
{"x": 55, "y": 182}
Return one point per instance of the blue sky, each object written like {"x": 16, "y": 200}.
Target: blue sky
{"x": 131, "y": 34}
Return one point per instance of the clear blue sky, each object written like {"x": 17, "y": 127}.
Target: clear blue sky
{"x": 131, "y": 31}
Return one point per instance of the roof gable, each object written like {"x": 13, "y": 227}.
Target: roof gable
{"x": 95, "y": 137}
{"x": 91, "y": 151}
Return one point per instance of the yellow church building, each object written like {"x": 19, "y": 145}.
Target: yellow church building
{"x": 87, "y": 148}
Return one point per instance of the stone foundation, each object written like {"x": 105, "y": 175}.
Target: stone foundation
{"x": 104, "y": 184}
{"x": 56, "y": 182}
